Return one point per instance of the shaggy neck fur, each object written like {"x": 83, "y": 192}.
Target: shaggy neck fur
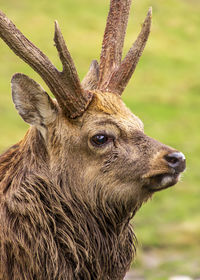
{"x": 48, "y": 230}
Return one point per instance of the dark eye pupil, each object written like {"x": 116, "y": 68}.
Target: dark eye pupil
{"x": 99, "y": 139}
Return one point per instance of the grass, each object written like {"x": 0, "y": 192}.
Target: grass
{"x": 164, "y": 92}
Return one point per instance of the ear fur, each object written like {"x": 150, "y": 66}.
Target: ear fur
{"x": 31, "y": 101}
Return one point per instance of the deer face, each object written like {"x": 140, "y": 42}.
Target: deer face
{"x": 105, "y": 151}
{"x": 90, "y": 134}
{"x": 110, "y": 152}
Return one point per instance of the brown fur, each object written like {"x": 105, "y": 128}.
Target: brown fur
{"x": 69, "y": 189}
{"x": 65, "y": 204}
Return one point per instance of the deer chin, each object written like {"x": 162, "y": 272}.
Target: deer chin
{"x": 162, "y": 181}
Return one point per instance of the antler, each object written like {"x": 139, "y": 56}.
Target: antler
{"x": 113, "y": 40}
{"x": 114, "y": 74}
{"x": 65, "y": 85}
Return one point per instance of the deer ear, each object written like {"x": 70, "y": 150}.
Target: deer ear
{"x": 32, "y": 102}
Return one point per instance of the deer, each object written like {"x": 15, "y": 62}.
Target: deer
{"x": 70, "y": 188}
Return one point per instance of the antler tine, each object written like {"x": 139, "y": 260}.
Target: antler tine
{"x": 64, "y": 85}
{"x": 113, "y": 38}
{"x": 121, "y": 76}
{"x": 90, "y": 81}
{"x": 79, "y": 100}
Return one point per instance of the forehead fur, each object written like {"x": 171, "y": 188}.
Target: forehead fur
{"x": 111, "y": 104}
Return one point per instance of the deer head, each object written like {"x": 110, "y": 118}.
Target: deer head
{"x": 92, "y": 140}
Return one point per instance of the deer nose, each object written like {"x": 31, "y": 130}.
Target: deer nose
{"x": 176, "y": 160}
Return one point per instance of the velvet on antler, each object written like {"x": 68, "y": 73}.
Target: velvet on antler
{"x": 121, "y": 76}
{"x": 113, "y": 40}
{"x": 114, "y": 74}
{"x": 64, "y": 85}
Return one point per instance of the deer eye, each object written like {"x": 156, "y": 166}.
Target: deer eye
{"x": 100, "y": 139}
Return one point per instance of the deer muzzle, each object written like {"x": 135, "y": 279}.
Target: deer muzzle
{"x": 176, "y": 160}
{"x": 165, "y": 171}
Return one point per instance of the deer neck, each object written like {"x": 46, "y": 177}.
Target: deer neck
{"x": 27, "y": 156}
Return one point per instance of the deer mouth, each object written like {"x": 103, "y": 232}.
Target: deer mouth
{"x": 162, "y": 181}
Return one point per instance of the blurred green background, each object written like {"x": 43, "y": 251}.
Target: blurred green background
{"x": 164, "y": 92}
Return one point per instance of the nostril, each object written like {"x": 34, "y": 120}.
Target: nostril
{"x": 172, "y": 160}
{"x": 176, "y": 160}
